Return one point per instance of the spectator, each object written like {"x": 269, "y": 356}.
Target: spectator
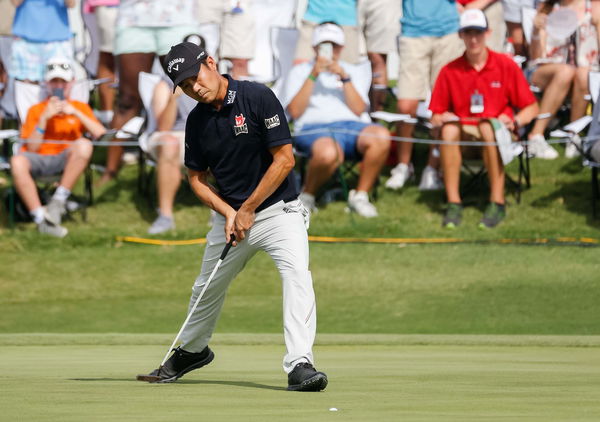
{"x": 325, "y": 96}
{"x": 478, "y": 86}
{"x": 237, "y": 31}
{"x": 166, "y": 147}
{"x": 145, "y": 29}
{"x": 343, "y": 13}
{"x": 41, "y": 31}
{"x": 513, "y": 17}
{"x": 428, "y": 41}
{"x": 380, "y": 24}
{"x": 105, "y": 12}
{"x": 562, "y": 65}
{"x": 7, "y": 12}
{"x": 55, "y": 119}
{"x": 495, "y": 16}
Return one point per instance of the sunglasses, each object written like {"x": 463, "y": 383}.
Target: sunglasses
{"x": 64, "y": 66}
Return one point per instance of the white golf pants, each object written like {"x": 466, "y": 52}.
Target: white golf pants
{"x": 280, "y": 231}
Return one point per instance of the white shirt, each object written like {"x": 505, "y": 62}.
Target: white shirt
{"x": 327, "y": 103}
{"x": 156, "y": 13}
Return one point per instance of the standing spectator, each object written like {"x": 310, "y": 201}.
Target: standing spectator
{"x": 343, "y": 13}
{"x": 7, "y": 12}
{"x": 237, "y": 31}
{"x": 145, "y": 29}
{"x": 106, "y": 18}
{"x": 513, "y": 17}
{"x": 41, "y": 31}
{"x": 428, "y": 41}
{"x": 56, "y": 119}
{"x": 166, "y": 146}
{"x": 380, "y": 24}
{"x": 495, "y": 15}
{"x": 470, "y": 92}
{"x": 326, "y": 98}
{"x": 560, "y": 66}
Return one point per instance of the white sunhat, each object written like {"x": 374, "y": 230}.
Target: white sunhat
{"x": 61, "y": 68}
{"x": 473, "y": 19}
{"x": 328, "y": 32}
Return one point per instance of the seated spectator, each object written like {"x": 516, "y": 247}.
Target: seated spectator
{"x": 55, "y": 119}
{"x": 478, "y": 86}
{"x": 428, "y": 41}
{"x": 324, "y": 101}
{"x": 166, "y": 147}
{"x": 41, "y": 30}
{"x": 561, "y": 66}
{"x": 494, "y": 14}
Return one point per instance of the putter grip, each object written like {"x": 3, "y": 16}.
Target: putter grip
{"x": 227, "y": 247}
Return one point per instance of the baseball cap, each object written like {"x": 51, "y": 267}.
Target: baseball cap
{"x": 183, "y": 61}
{"x": 473, "y": 19}
{"x": 59, "y": 67}
{"x": 328, "y": 32}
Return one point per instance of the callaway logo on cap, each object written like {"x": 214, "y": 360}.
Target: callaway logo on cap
{"x": 183, "y": 61}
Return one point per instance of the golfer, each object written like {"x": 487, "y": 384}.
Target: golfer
{"x": 238, "y": 132}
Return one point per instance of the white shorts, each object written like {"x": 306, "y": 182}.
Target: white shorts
{"x": 157, "y": 138}
{"x": 106, "y": 18}
{"x": 512, "y": 9}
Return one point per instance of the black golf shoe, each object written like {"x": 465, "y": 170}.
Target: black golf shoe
{"x": 304, "y": 377}
{"x": 182, "y": 362}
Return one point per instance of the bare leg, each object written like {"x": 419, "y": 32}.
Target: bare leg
{"x": 515, "y": 31}
{"x": 451, "y": 159}
{"x": 239, "y": 68}
{"x": 106, "y": 69}
{"x": 20, "y": 168}
{"x": 374, "y": 145}
{"x": 405, "y": 130}
{"x": 168, "y": 174}
{"x": 78, "y": 157}
{"x": 580, "y": 90}
{"x": 327, "y": 155}
{"x": 379, "y": 82}
{"x": 493, "y": 163}
{"x": 555, "y": 80}
{"x": 128, "y": 103}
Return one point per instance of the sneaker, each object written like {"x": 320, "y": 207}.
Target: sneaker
{"x": 492, "y": 216}
{"x": 309, "y": 201}
{"x": 399, "y": 176}
{"x": 304, "y": 377}
{"x": 54, "y": 211}
{"x": 50, "y": 229}
{"x": 161, "y": 225}
{"x": 431, "y": 180}
{"x": 179, "y": 364}
{"x": 540, "y": 148}
{"x": 358, "y": 201}
{"x": 573, "y": 147}
{"x": 453, "y": 216}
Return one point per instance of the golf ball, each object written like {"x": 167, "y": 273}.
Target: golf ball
{"x": 333, "y": 409}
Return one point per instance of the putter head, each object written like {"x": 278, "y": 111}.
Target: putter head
{"x": 150, "y": 377}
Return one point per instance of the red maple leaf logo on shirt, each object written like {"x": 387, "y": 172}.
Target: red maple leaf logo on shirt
{"x": 239, "y": 120}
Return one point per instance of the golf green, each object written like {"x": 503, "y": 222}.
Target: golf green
{"x": 378, "y": 382}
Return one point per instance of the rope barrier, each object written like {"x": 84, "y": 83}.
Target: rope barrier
{"x": 559, "y": 241}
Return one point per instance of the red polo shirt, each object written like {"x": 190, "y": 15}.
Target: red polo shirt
{"x": 500, "y": 82}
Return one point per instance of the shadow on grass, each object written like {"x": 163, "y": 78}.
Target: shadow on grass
{"x": 246, "y": 384}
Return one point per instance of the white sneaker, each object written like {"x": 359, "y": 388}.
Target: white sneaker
{"x": 399, "y": 176}
{"x": 47, "y": 228}
{"x": 431, "y": 180}
{"x": 358, "y": 201}
{"x": 572, "y": 149}
{"x": 539, "y": 148}
{"x": 308, "y": 200}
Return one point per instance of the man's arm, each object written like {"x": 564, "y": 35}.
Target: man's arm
{"x": 353, "y": 99}
{"x": 283, "y": 163}
{"x": 527, "y": 114}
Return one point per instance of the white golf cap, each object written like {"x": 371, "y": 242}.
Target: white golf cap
{"x": 473, "y": 19}
{"x": 328, "y": 32}
{"x": 59, "y": 67}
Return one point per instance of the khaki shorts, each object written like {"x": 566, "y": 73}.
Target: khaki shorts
{"x": 380, "y": 23}
{"x": 155, "y": 141}
{"x": 305, "y": 50}
{"x": 421, "y": 60}
{"x": 237, "y": 30}
{"x": 106, "y": 18}
{"x": 495, "y": 17}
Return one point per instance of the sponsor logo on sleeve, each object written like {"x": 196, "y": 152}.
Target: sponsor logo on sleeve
{"x": 240, "y": 125}
{"x": 272, "y": 122}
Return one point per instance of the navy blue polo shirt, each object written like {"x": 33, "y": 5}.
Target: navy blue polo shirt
{"x": 233, "y": 142}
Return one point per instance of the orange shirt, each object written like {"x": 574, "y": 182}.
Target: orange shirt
{"x": 61, "y": 127}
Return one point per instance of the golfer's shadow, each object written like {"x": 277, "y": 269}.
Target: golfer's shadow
{"x": 246, "y": 384}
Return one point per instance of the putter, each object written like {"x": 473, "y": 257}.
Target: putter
{"x": 156, "y": 378}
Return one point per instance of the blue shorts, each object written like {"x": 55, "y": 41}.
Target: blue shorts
{"x": 345, "y": 133}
